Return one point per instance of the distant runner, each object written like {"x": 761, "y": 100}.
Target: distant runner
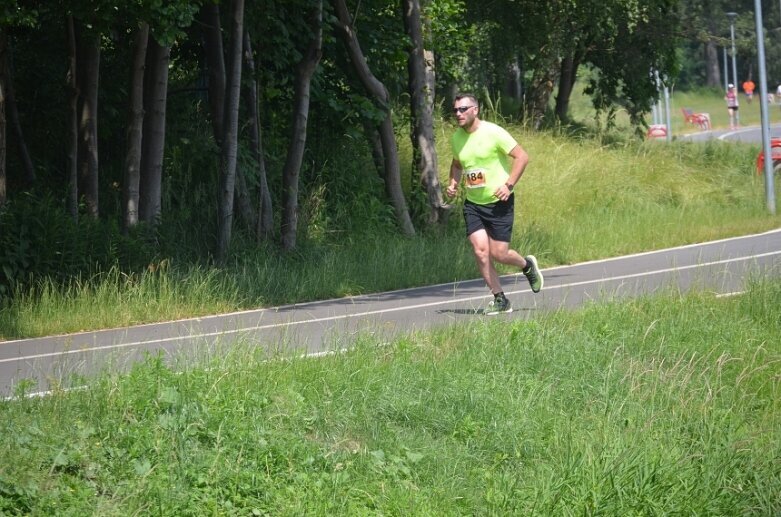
{"x": 732, "y": 106}
{"x": 748, "y": 89}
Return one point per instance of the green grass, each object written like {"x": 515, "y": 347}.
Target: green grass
{"x": 659, "y": 406}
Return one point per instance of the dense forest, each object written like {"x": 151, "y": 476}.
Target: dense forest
{"x": 135, "y": 131}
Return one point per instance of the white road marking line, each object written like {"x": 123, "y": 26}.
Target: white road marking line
{"x": 299, "y": 306}
{"x": 730, "y": 295}
{"x": 380, "y": 311}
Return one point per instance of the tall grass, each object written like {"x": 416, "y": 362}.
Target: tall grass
{"x": 666, "y": 405}
{"x": 114, "y": 299}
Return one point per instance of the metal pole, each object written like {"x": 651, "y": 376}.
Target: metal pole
{"x": 732, "y": 17}
{"x": 770, "y": 193}
{"x": 657, "y": 107}
{"x": 667, "y": 112}
{"x": 726, "y": 70}
{"x": 666, "y": 91}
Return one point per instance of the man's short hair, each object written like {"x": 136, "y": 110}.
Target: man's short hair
{"x": 469, "y": 96}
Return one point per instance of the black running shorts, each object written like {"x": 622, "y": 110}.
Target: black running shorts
{"x": 495, "y": 218}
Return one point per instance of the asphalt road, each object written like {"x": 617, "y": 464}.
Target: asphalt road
{"x": 748, "y": 135}
{"x": 723, "y": 267}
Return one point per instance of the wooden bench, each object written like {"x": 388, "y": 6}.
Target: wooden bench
{"x": 701, "y": 120}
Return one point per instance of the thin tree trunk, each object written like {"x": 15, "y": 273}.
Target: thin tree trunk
{"x": 243, "y": 200}
{"x": 89, "y": 53}
{"x": 153, "y": 141}
{"x": 421, "y": 109}
{"x": 377, "y": 90}
{"x": 541, "y": 90}
{"x": 12, "y": 113}
{"x": 514, "y": 85}
{"x": 3, "y": 82}
{"x": 295, "y": 154}
{"x": 215, "y": 64}
{"x": 265, "y": 220}
{"x": 72, "y": 198}
{"x": 135, "y": 126}
{"x": 373, "y": 137}
{"x": 712, "y": 68}
{"x": 230, "y": 126}
{"x": 569, "y": 71}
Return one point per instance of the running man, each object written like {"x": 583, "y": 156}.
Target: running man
{"x": 491, "y": 162}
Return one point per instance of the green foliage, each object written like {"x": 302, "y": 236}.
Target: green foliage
{"x": 12, "y": 14}
{"x": 36, "y": 241}
{"x": 644, "y": 42}
{"x": 663, "y": 405}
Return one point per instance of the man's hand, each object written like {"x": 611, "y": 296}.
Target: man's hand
{"x": 503, "y": 193}
{"x": 452, "y": 189}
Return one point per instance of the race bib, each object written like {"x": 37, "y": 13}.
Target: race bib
{"x": 475, "y": 178}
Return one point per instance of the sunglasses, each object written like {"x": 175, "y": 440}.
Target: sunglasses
{"x": 462, "y": 109}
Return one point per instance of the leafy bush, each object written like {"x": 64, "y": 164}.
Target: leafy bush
{"x": 38, "y": 240}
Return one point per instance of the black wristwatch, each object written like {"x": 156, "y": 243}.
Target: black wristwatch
{"x": 509, "y": 186}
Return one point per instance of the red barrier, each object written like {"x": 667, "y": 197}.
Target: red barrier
{"x": 775, "y": 154}
{"x": 657, "y": 131}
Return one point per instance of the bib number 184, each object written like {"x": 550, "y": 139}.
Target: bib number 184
{"x": 475, "y": 178}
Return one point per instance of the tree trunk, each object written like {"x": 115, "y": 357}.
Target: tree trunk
{"x": 712, "y": 68}
{"x": 421, "y": 109}
{"x": 243, "y": 200}
{"x": 265, "y": 221}
{"x": 12, "y": 113}
{"x": 514, "y": 83}
{"x": 541, "y": 90}
{"x": 215, "y": 64}
{"x": 72, "y": 197}
{"x": 569, "y": 71}
{"x": 153, "y": 141}
{"x": 89, "y": 72}
{"x": 377, "y": 90}
{"x": 373, "y": 137}
{"x": 135, "y": 126}
{"x": 295, "y": 154}
{"x": 3, "y": 87}
{"x": 229, "y": 148}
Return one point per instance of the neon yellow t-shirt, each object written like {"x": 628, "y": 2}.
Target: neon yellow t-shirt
{"x": 484, "y": 156}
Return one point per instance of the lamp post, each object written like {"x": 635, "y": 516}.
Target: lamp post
{"x": 732, "y": 17}
{"x": 769, "y": 180}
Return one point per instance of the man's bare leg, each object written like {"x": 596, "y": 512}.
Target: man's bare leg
{"x": 481, "y": 246}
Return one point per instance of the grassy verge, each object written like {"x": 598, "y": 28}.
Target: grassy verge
{"x": 667, "y": 405}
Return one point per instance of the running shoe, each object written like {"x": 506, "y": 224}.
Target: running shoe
{"x": 533, "y": 274}
{"x": 499, "y": 304}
